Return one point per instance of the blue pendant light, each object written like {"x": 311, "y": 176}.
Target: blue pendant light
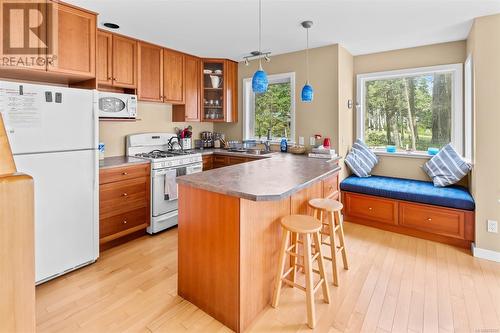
{"x": 307, "y": 94}
{"x": 259, "y": 80}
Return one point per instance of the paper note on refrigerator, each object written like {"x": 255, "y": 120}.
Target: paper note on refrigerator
{"x": 21, "y": 109}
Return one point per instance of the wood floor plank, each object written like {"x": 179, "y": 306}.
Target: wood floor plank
{"x": 395, "y": 283}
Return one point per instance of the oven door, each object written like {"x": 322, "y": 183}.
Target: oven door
{"x": 160, "y": 205}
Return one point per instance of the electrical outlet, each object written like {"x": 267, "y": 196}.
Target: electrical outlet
{"x": 312, "y": 141}
{"x": 301, "y": 140}
{"x": 493, "y": 226}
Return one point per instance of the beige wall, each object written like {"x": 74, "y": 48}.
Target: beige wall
{"x": 345, "y": 134}
{"x": 320, "y": 116}
{"x": 155, "y": 117}
{"x": 430, "y": 55}
{"x": 484, "y": 44}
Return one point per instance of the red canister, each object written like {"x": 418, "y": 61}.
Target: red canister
{"x": 326, "y": 143}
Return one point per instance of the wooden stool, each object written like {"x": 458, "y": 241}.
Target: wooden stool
{"x": 332, "y": 208}
{"x": 294, "y": 226}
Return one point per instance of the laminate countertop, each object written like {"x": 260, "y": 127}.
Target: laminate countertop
{"x": 266, "y": 179}
{"x": 118, "y": 161}
{"x": 219, "y": 151}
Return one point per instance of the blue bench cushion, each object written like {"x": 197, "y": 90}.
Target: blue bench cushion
{"x": 410, "y": 190}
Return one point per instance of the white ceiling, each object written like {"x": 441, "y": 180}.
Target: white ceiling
{"x": 228, "y": 28}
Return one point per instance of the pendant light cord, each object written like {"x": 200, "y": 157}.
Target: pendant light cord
{"x": 260, "y": 34}
{"x": 307, "y": 55}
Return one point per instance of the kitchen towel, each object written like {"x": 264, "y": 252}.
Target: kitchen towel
{"x": 170, "y": 185}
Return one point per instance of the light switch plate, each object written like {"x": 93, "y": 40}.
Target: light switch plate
{"x": 312, "y": 141}
{"x": 493, "y": 226}
{"x": 301, "y": 140}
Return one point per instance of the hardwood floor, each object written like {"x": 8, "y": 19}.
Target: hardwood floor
{"x": 395, "y": 283}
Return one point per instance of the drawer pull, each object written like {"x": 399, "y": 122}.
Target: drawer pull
{"x": 429, "y": 219}
{"x": 124, "y": 194}
{"x": 369, "y": 208}
{"x": 124, "y": 221}
{"x": 124, "y": 173}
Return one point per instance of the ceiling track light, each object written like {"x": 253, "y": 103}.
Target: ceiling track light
{"x": 257, "y": 55}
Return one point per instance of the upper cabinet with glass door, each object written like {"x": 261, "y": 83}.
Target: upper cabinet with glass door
{"x": 219, "y": 90}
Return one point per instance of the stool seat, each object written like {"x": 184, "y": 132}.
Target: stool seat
{"x": 326, "y": 204}
{"x": 302, "y": 224}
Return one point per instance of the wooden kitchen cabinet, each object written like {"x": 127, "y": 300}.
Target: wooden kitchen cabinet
{"x": 331, "y": 187}
{"x": 116, "y": 60}
{"x": 220, "y": 102}
{"x": 72, "y": 57}
{"x": 104, "y": 58}
{"x": 124, "y": 194}
{"x": 173, "y": 77}
{"x": 76, "y": 40}
{"x": 208, "y": 162}
{"x": 124, "y": 62}
{"x": 150, "y": 63}
{"x": 190, "y": 110}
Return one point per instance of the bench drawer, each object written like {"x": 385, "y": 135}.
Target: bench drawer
{"x": 371, "y": 208}
{"x": 440, "y": 221}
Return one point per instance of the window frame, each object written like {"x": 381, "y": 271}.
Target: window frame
{"x": 457, "y": 112}
{"x": 249, "y": 105}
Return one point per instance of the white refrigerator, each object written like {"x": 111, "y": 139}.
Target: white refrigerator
{"x": 53, "y": 133}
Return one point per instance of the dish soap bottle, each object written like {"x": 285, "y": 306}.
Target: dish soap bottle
{"x": 284, "y": 144}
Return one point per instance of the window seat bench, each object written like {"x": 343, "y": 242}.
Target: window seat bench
{"x": 412, "y": 207}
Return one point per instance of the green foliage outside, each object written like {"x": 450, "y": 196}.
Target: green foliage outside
{"x": 272, "y": 111}
{"x": 412, "y": 111}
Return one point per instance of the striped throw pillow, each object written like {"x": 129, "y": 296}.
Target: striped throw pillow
{"x": 361, "y": 159}
{"x": 368, "y": 155}
{"x": 447, "y": 167}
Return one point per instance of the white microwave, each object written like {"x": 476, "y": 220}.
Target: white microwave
{"x": 114, "y": 105}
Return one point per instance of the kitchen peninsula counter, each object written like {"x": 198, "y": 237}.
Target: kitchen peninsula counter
{"x": 273, "y": 178}
{"x": 229, "y": 230}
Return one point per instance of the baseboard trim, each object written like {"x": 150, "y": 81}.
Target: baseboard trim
{"x": 485, "y": 254}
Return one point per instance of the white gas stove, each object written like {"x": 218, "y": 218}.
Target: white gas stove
{"x": 167, "y": 162}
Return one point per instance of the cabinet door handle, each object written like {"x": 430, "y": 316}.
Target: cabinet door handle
{"x": 124, "y": 221}
{"x": 125, "y": 194}
{"x": 429, "y": 219}
{"x": 110, "y": 78}
{"x": 124, "y": 173}
{"x": 369, "y": 208}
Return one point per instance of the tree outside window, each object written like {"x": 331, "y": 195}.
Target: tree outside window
{"x": 272, "y": 111}
{"x": 412, "y": 111}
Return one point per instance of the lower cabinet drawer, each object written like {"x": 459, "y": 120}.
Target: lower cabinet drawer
{"x": 441, "y": 221}
{"x": 371, "y": 208}
{"x": 118, "y": 223}
{"x": 231, "y": 160}
{"x": 331, "y": 186}
{"x": 220, "y": 161}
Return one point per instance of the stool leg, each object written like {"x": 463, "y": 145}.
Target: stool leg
{"x": 321, "y": 265}
{"x": 281, "y": 267}
{"x": 333, "y": 249}
{"x": 341, "y": 239}
{"x": 311, "y": 315}
{"x": 293, "y": 259}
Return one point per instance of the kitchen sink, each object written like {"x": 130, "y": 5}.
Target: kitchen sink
{"x": 258, "y": 152}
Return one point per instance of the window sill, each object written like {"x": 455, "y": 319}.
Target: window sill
{"x": 413, "y": 154}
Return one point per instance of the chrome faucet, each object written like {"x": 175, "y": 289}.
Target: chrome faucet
{"x": 267, "y": 143}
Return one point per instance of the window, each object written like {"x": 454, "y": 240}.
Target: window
{"x": 273, "y": 110}
{"x": 411, "y": 109}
